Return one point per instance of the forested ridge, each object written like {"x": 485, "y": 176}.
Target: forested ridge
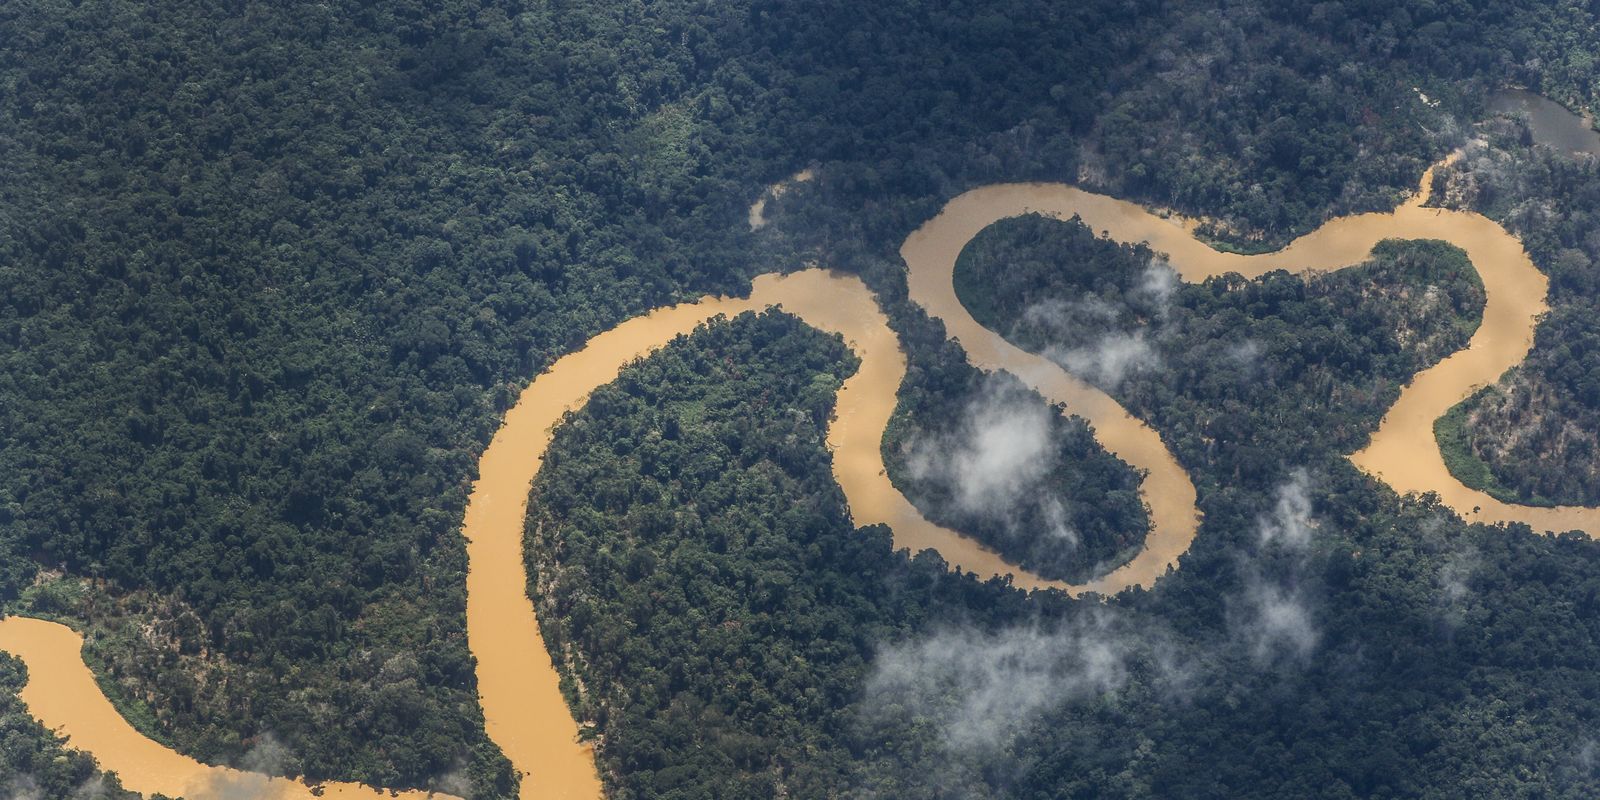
{"x": 270, "y": 272}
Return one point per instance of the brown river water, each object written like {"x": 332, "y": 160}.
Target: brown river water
{"x": 518, "y": 685}
{"x": 62, "y": 693}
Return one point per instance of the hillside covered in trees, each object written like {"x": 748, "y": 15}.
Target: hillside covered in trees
{"x": 269, "y": 273}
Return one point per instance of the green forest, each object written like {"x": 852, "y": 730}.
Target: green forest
{"x": 270, "y": 274}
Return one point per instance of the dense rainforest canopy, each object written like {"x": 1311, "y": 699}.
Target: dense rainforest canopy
{"x": 269, "y": 272}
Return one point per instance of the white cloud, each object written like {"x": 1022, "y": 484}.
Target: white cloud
{"x": 266, "y": 758}
{"x": 999, "y": 453}
{"x": 21, "y": 787}
{"x": 1158, "y": 284}
{"x": 91, "y": 789}
{"x": 982, "y": 688}
{"x": 1110, "y": 359}
{"x": 1454, "y": 583}
{"x": 1246, "y": 353}
{"x": 1277, "y": 622}
{"x": 1455, "y": 576}
{"x": 1273, "y": 616}
{"x": 1055, "y": 517}
{"x": 1290, "y": 523}
{"x": 1587, "y": 758}
{"x": 1111, "y": 355}
{"x": 454, "y": 782}
{"x": 1061, "y": 318}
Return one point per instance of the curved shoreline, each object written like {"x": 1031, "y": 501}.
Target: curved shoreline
{"x": 518, "y": 686}
{"x": 930, "y": 254}
{"x": 1402, "y": 452}
{"x": 62, "y": 694}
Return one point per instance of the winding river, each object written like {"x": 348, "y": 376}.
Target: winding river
{"x": 62, "y": 693}
{"x": 519, "y": 688}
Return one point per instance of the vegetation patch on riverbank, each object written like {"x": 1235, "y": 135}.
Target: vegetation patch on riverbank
{"x": 981, "y": 454}
{"x": 1536, "y": 431}
{"x": 1455, "y": 444}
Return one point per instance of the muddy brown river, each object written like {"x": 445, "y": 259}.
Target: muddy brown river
{"x": 519, "y": 687}
{"x": 62, "y": 694}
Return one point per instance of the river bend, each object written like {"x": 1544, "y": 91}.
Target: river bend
{"x": 62, "y": 693}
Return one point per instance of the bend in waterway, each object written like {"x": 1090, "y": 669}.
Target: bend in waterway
{"x": 518, "y": 685}
{"x": 61, "y": 692}
{"x": 1402, "y": 452}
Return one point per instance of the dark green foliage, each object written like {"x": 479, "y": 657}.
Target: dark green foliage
{"x": 1261, "y": 117}
{"x": 697, "y": 569}
{"x": 268, "y": 273}
{"x": 1325, "y": 130}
